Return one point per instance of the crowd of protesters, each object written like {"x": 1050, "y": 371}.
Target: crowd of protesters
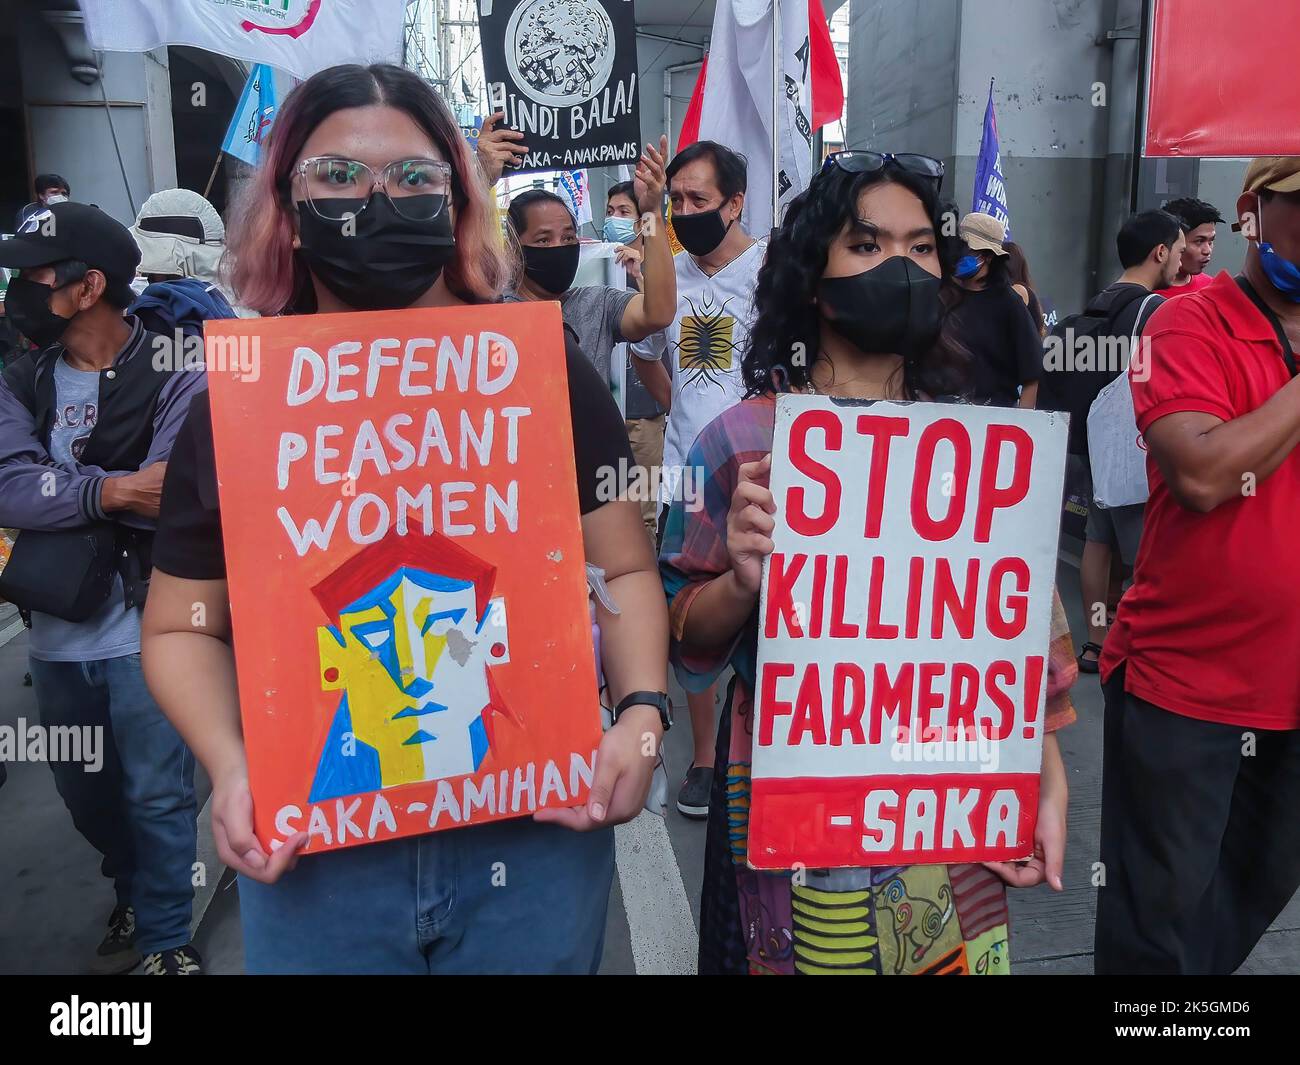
{"x": 881, "y": 299}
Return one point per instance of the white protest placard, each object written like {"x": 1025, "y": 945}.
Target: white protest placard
{"x": 903, "y": 633}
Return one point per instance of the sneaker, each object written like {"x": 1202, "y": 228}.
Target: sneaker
{"x": 693, "y": 798}
{"x": 178, "y": 961}
{"x": 116, "y": 952}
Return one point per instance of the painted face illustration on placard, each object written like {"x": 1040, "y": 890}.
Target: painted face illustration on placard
{"x": 560, "y": 52}
{"x": 411, "y": 654}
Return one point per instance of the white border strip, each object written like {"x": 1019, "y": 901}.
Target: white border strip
{"x": 664, "y": 941}
{"x": 16, "y": 629}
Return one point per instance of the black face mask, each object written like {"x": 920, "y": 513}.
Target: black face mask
{"x": 893, "y": 309}
{"x": 701, "y": 233}
{"x": 387, "y": 263}
{"x": 27, "y": 305}
{"x": 552, "y": 268}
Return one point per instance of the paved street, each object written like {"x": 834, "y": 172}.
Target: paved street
{"x": 55, "y": 902}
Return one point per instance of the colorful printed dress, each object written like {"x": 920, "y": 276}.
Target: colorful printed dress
{"x": 902, "y": 920}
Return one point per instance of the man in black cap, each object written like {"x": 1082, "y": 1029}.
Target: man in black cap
{"x": 86, "y": 425}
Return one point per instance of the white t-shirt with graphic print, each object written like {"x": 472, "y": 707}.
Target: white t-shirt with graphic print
{"x": 706, "y": 341}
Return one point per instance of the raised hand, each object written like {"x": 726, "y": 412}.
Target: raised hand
{"x": 649, "y": 180}
{"x": 499, "y": 148}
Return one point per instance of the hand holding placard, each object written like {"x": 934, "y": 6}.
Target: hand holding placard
{"x": 750, "y": 524}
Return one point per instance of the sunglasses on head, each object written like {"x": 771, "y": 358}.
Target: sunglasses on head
{"x": 860, "y": 162}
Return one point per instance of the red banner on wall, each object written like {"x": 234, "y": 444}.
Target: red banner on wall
{"x": 1222, "y": 81}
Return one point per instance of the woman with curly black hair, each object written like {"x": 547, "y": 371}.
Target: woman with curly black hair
{"x": 850, "y": 303}
{"x": 816, "y": 274}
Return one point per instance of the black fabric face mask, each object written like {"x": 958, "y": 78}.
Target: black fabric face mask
{"x": 552, "y": 268}
{"x": 27, "y": 305}
{"x": 701, "y": 233}
{"x": 388, "y": 262}
{"x": 893, "y": 309}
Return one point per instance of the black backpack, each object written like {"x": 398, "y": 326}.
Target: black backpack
{"x": 1063, "y": 385}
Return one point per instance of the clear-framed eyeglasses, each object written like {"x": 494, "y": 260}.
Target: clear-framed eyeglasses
{"x": 338, "y": 188}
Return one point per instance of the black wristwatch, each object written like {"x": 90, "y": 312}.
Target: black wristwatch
{"x": 659, "y": 700}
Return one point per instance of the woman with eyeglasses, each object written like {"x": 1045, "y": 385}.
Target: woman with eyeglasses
{"x": 368, "y": 198}
{"x": 850, "y": 305}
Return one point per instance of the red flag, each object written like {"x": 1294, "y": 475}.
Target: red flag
{"x": 691, "y": 123}
{"x": 827, "y": 88}
{"x": 1231, "y": 107}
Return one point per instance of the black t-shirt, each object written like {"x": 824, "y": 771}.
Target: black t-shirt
{"x": 188, "y": 543}
{"x": 998, "y": 330}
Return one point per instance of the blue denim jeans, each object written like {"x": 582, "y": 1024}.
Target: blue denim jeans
{"x": 509, "y": 897}
{"x": 146, "y": 788}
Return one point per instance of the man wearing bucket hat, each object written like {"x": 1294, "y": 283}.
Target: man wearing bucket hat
{"x": 1201, "y": 769}
{"x": 991, "y": 321}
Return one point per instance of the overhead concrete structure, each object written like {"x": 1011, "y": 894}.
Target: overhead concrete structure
{"x": 1068, "y": 75}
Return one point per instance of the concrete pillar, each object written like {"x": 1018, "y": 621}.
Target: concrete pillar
{"x": 918, "y": 81}
{"x": 69, "y": 131}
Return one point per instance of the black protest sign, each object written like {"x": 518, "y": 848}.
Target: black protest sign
{"x": 564, "y": 72}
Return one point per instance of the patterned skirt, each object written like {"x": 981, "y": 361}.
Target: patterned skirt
{"x": 897, "y": 920}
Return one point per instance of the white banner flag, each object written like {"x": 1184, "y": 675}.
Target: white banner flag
{"x": 738, "y": 95}
{"x": 575, "y": 187}
{"x": 298, "y": 36}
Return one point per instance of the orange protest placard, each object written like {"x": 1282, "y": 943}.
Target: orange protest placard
{"x": 405, "y": 562}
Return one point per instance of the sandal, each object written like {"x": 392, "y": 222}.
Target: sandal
{"x": 1090, "y": 665}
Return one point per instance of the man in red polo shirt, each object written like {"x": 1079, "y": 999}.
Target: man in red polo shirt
{"x": 1200, "y": 828}
{"x": 1198, "y": 220}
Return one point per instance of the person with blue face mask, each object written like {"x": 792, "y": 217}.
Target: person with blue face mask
{"x": 1201, "y": 754}
{"x": 646, "y": 415}
{"x": 621, "y": 222}
{"x": 991, "y": 319}
{"x": 619, "y": 230}
{"x": 1283, "y": 273}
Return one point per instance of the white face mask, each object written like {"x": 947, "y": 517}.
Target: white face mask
{"x": 55, "y": 197}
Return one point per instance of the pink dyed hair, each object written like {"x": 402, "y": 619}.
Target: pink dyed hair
{"x": 261, "y": 264}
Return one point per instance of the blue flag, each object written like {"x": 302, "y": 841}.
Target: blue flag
{"x": 253, "y": 117}
{"x": 472, "y": 132}
{"x": 990, "y": 188}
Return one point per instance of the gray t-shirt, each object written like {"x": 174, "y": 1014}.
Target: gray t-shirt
{"x": 113, "y": 631}
{"x": 595, "y": 312}
{"x": 637, "y": 400}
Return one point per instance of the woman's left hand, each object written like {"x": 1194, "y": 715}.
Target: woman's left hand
{"x": 1048, "y": 861}
{"x": 625, "y": 765}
